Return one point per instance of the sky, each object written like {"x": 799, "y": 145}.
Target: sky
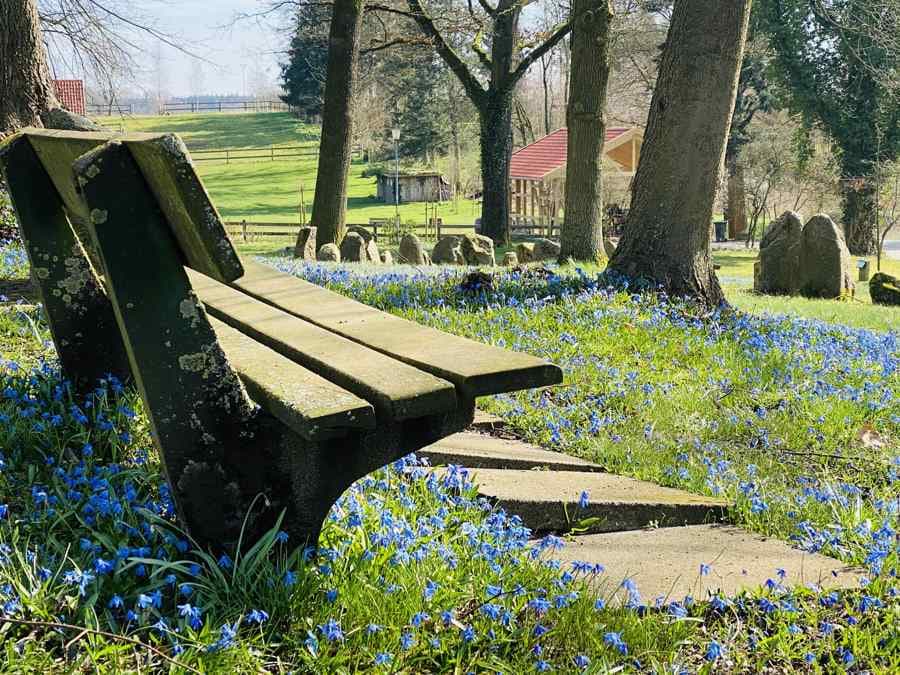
{"x": 238, "y": 56}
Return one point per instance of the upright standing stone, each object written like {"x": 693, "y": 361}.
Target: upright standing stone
{"x": 305, "y": 248}
{"x": 448, "y": 251}
{"x": 779, "y": 256}
{"x": 609, "y": 247}
{"x": 411, "y": 250}
{"x": 329, "y": 253}
{"x": 525, "y": 252}
{"x": 826, "y": 270}
{"x": 545, "y": 249}
{"x": 478, "y": 249}
{"x": 387, "y": 257}
{"x": 510, "y": 259}
{"x": 353, "y": 248}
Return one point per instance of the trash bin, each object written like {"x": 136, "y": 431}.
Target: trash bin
{"x": 720, "y": 231}
{"x": 863, "y": 266}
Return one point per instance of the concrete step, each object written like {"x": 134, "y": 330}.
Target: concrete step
{"x": 486, "y": 421}
{"x": 666, "y": 562}
{"x": 477, "y": 451}
{"x": 547, "y": 501}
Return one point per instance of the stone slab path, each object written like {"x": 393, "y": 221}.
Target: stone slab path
{"x": 656, "y": 536}
{"x": 666, "y": 562}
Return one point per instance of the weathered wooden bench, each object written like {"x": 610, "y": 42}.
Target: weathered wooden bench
{"x": 266, "y": 394}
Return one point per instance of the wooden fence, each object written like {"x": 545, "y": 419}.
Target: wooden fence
{"x": 245, "y": 231}
{"x": 109, "y": 110}
{"x": 264, "y": 154}
{"x": 224, "y": 106}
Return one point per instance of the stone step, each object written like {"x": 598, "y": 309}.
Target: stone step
{"x": 477, "y": 451}
{"x": 666, "y": 562}
{"x": 486, "y": 421}
{"x": 547, "y": 501}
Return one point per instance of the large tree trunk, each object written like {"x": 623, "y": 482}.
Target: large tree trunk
{"x": 736, "y": 211}
{"x": 330, "y": 200}
{"x": 666, "y": 234}
{"x": 582, "y": 231}
{"x": 496, "y": 151}
{"x": 26, "y": 90}
{"x": 859, "y": 210}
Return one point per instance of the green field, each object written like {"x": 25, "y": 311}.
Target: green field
{"x": 267, "y": 191}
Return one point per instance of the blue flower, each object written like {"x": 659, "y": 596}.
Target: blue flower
{"x": 331, "y": 631}
{"x": 714, "y": 651}
{"x": 259, "y": 616}
{"x": 383, "y": 658}
{"x": 583, "y": 500}
{"x": 615, "y": 641}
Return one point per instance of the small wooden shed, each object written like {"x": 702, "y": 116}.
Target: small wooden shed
{"x": 426, "y": 186}
{"x": 538, "y": 171}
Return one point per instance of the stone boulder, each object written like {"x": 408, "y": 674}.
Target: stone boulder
{"x": 545, "y": 249}
{"x": 826, "y": 269}
{"x": 525, "y": 252}
{"x": 608, "y": 247}
{"x": 510, "y": 259}
{"x": 885, "y": 289}
{"x": 478, "y": 249}
{"x": 411, "y": 250}
{"x": 372, "y": 254}
{"x": 387, "y": 258}
{"x": 305, "y": 248}
{"x": 353, "y": 248}
{"x": 779, "y": 256}
{"x": 448, "y": 251}
{"x": 362, "y": 232}
{"x": 329, "y": 253}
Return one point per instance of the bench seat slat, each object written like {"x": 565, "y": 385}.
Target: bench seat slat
{"x": 396, "y": 389}
{"x": 477, "y": 369}
{"x": 309, "y": 404}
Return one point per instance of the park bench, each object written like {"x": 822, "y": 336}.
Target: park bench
{"x": 265, "y": 394}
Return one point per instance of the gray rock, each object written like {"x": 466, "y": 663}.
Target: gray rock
{"x": 448, "y": 251}
{"x": 885, "y": 289}
{"x": 353, "y": 248}
{"x": 525, "y": 252}
{"x": 510, "y": 259}
{"x": 826, "y": 269}
{"x": 372, "y": 254}
{"x": 387, "y": 258}
{"x": 478, "y": 249}
{"x": 779, "y": 256}
{"x": 545, "y": 249}
{"x": 305, "y": 247}
{"x": 362, "y": 232}
{"x": 411, "y": 250}
{"x": 329, "y": 253}
{"x": 608, "y": 247}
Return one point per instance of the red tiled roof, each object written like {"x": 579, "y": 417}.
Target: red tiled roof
{"x": 547, "y": 154}
{"x": 71, "y": 95}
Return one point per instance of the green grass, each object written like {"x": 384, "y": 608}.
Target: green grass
{"x": 266, "y": 191}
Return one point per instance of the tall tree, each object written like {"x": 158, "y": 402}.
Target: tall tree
{"x": 754, "y": 95}
{"x": 303, "y": 75}
{"x": 493, "y": 101}
{"x": 335, "y": 147}
{"x": 666, "y": 234}
{"x": 582, "y": 231}
{"x": 839, "y": 61}
{"x": 26, "y": 90}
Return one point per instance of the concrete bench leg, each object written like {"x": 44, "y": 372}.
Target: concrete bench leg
{"x": 213, "y": 449}
{"x": 80, "y": 314}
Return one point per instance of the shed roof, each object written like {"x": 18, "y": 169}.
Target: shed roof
{"x": 71, "y": 95}
{"x": 549, "y": 153}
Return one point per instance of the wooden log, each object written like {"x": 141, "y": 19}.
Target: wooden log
{"x": 78, "y": 310}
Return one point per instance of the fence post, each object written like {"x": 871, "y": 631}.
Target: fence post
{"x": 273, "y": 153}
{"x": 226, "y": 155}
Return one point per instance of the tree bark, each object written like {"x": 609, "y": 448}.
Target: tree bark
{"x": 496, "y": 155}
{"x": 859, "y": 207}
{"x": 666, "y": 234}
{"x": 26, "y": 89}
{"x": 330, "y": 200}
{"x": 582, "y": 231}
{"x": 737, "y": 199}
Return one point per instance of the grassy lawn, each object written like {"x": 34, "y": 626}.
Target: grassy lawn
{"x": 265, "y": 191}
{"x": 797, "y": 422}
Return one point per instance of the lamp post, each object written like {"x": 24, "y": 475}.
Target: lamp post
{"x": 395, "y": 134}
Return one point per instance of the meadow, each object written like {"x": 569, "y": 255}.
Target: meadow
{"x": 797, "y": 421}
{"x": 269, "y": 191}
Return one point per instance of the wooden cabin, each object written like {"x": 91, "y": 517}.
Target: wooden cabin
{"x": 538, "y": 172}
{"x": 415, "y": 187}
